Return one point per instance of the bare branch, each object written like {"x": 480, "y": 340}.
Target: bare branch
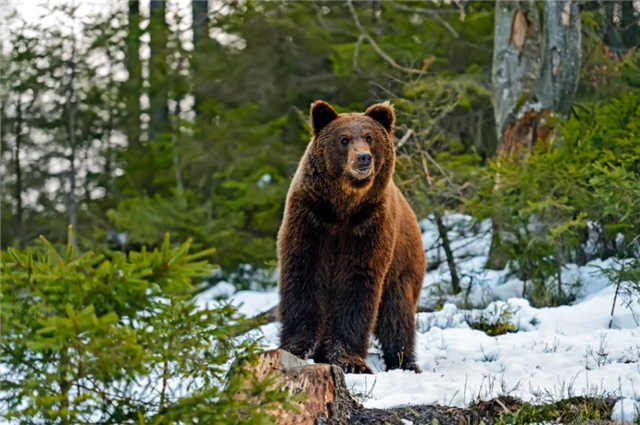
{"x": 356, "y": 52}
{"x": 364, "y": 34}
{"x": 432, "y": 13}
{"x": 404, "y": 139}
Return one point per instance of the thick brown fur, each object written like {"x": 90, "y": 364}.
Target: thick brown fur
{"x": 349, "y": 248}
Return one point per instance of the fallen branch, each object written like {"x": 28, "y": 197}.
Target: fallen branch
{"x": 268, "y": 316}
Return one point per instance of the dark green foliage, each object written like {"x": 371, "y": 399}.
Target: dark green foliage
{"x": 120, "y": 340}
{"x": 591, "y": 174}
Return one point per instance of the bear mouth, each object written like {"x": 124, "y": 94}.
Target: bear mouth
{"x": 362, "y": 172}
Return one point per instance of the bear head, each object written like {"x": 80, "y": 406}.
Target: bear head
{"x": 356, "y": 148}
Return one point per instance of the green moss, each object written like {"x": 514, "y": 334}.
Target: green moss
{"x": 570, "y": 411}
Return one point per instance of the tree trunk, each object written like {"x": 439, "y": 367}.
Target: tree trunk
{"x": 158, "y": 71}
{"x": 446, "y": 245}
{"x": 517, "y": 60}
{"x": 71, "y": 131}
{"x": 18, "y": 169}
{"x": 535, "y": 70}
{"x": 327, "y": 398}
{"x": 562, "y": 56}
{"x": 199, "y": 13}
{"x": 177, "y": 167}
{"x": 201, "y": 45}
{"x": 134, "y": 82}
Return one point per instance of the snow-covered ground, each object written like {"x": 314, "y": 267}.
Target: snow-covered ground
{"x": 555, "y": 353}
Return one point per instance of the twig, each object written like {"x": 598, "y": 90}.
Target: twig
{"x": 404, "y": 139}
{"x": 431, "y": 13}
{"x": 613, "y": 306}
{"x": 379, "y": 51}
{"x": 356, "y": 53}
{"x": 258, "y": 320}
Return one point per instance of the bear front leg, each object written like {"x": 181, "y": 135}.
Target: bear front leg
{"x": 354, "y": 309}
{"x": 396, "y": 324}
{"x": 302, "y": 304}
{"x": 356, "y": 293}
{"x": 300, "y": 313}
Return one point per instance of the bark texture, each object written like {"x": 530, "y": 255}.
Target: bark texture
{"x": 517, "y": 58}
{"x": 536, "y": 67}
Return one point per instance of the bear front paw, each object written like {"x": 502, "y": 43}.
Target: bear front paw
{"x": 354, "y": 364}
{"x": 412, "y": 366}
{"x": 357, "y": 368}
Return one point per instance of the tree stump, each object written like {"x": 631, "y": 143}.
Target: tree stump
{"x": 327, "y": 399}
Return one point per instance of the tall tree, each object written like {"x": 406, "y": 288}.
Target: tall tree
{"x": 158, "y": 70}
{"x": 134, "y": 81}
{"x": 201, "y": 47}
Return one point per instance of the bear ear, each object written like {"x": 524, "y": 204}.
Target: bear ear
{"x": 321, "y": 114}
{"x": 383, "y": 113}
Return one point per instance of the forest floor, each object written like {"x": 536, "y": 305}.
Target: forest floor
{"x": 571, "y": 352}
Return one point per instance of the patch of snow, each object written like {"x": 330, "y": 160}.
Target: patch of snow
{"x": 566, "y": 351}
{"x": 251, "y": 303}
{"x": 626, "y": 411}
{"x": 221, "y": 290}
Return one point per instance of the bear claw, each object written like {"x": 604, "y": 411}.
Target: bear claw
{"x": 412, "y": 366}
{"x": 356, "y": 368}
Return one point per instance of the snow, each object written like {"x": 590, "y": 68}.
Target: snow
{"x": 556, "y": 352}
{"x": 249, "y": 303}
{"x": 221, "y": 290}
{"x": 625, "y": 410}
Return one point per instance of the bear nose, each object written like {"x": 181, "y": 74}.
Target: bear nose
{"x": 364, "y": 159}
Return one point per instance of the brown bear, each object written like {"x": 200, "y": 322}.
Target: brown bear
{"x": 350, "y": 250}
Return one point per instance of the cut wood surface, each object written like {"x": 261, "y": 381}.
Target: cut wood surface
{"x": 326, "y": 401}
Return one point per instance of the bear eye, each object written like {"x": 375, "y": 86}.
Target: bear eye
{"x": 369, "y": 139}
{"x": 345, "y": 141}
